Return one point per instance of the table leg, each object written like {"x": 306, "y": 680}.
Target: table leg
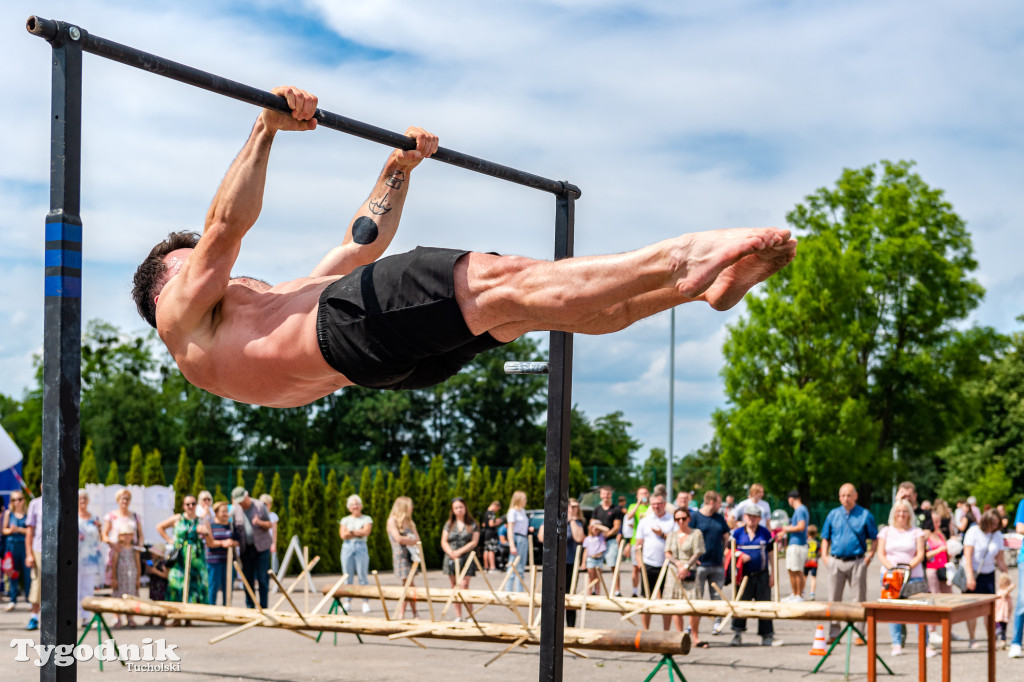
{"x": 990, "y": 627}
{"x": 922, "y": 661}
{"x": 947, "y": 648}
{"x": 872, "y": 673}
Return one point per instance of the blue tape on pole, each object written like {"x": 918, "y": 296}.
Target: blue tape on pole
{"x": 62, "y": 258}
{"x": 64, "y": 287}
{"x": 63, "y": 232}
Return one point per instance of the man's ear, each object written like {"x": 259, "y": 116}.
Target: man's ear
{"x": 156, "y": 299}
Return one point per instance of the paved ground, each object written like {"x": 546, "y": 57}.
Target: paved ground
{"x": 267, "y": 655}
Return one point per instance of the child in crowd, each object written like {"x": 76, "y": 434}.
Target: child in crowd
{"x": 811, "y": 565}
{"x": 1004, "y": 607}
{"x": 156, "y": 569}
{"x": 595, "y": 545}
{"x": 127, "y": 573}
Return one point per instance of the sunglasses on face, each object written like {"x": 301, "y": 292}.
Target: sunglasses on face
{"x": 682, "y": 518}
{"x": 190, "y": 504}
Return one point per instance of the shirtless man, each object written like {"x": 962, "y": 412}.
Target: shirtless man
{"x": 406, "y": 321}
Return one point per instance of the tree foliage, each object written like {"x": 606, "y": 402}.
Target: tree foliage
{"x": 854, "y": 352}
{"x": 987, "y": 460}
{"x": 88, "y": 471}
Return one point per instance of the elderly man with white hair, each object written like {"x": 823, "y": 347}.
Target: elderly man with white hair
{"x": 355, "y": 558}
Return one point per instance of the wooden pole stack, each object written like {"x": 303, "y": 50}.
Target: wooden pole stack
{"x": 644, "y": 641}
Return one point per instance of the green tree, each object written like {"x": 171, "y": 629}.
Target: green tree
{"x": 476, "y": 490}
{"x": 331, "y": 540}
{"x": 182, "y": 481}
{"x": 405, "y": 484}
{"x": 378, "y": 545}
{"x": 844, "y": 358}
{"x": 578, "y": 481}
{"x": 259, "y": 487}
{"x": 135, "y": 474}
{"x": 240, "y": 479}
{"x": 314, "y": 511}
{"x": 113, "y": 478}
{"x": 974, "y": 457}
{"x": 296, "y": 510}
{"x": 153, "y": 471}
{"x": 198, "y": 479}
{"x": 433, "y": 511}
{"x": 219, "y": 496}
{"x": 88, "y": 472}
{"x": 281, "y": 508}
{"x": 32, "y": 472}
{"x": 345, "y": 491}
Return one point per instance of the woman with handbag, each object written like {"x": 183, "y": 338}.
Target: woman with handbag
{"x": 983, "y": 554}
{"x": 902, "y": 543}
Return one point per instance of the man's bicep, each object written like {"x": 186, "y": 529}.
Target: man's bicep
{"x": 340, "y": 260}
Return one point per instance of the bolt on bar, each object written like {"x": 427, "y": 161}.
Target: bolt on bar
{"x": 48, "y": 29}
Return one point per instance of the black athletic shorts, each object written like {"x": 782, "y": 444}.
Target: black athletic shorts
{"x": 395, "y": 324}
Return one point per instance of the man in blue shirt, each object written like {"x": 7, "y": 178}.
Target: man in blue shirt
{"x": 753, "y": 542}
{"x": 715, "y": 530}
{"x": 844, "y": 549}
{"x": 796, "y": 549}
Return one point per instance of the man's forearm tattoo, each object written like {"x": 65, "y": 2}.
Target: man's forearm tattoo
{"x": 381, "y": 205}
{"x": 364, "y": 230}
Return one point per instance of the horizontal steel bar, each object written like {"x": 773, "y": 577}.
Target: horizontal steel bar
{"x": 515, "y": 367}
{"x": 51, "y": 30}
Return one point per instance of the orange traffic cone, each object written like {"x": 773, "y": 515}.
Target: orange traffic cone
{"x": 818, "y": 648}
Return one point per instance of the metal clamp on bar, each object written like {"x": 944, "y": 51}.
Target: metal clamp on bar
{"x": 50, "y": 30}
{"x": 516, "y": 367}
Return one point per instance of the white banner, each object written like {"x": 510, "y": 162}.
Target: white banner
{"x": 9, "y": 452}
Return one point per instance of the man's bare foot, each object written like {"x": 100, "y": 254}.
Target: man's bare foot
{"x": 701, "y": 257}
{"x": 737, "y": 279}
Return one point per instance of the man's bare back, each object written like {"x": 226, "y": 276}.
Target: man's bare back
{"x": 246, "y": 340}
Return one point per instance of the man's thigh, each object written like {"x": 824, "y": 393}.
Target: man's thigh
{"x": 838, "y": 575}
{"x": 34, "y": 590}
{"x": 796, "y": 557}
{"x": 859, "y": 578}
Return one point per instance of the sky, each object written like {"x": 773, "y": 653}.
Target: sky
{"x": 671, "y": 118}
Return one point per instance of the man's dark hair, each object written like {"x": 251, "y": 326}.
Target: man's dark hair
{"x": 150, "y": 275}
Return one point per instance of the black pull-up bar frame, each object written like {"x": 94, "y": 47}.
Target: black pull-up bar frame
{"x": 49, "y": 29}
{"x": 63, "y": 332}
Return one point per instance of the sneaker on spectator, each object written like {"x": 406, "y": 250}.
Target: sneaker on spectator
{"x": 9, "y": 607}
{"x": 935, "y": 637}
{"x": 716, "y": 629}
{"x": 366, "y": 607}
{"x": 617, "y": 594}
{"x": 737, "y": 640}
{"x": 897, "y": 650}
{"x": 930, "y": 652}
{"x": 1015, "y": 651}
{"x": 770, "y": 641}
{"x": 33, "y": 623}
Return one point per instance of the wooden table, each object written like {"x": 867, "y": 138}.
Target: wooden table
{"x": 933, "y": 609}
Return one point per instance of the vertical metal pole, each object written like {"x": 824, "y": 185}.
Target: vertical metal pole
{"x": 62, "y": 356}
{"x": 556, "y": 472}
{"x": 671, "y": 406}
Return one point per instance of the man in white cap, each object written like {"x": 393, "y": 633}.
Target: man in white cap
{"x": 251, "y": 527}
{"x": 753, "y": 544}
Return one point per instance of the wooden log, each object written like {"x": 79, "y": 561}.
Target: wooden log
{"x": 576, "y": 568}
{"x": 295, "y": 581}
{"x": 188, "y": 573}
{"x": 809, "y": 610}
{"x": 229, "y": 586}
{"x": 655, "y": 642}
{"x": 426, "y": 583}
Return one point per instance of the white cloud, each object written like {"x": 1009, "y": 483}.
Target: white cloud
{"x": 670, "y": 117}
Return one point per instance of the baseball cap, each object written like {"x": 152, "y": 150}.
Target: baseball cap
{"x": 794, "y": 493}
{"x": 752, "y": 510}
{"x": 238, "y": 494}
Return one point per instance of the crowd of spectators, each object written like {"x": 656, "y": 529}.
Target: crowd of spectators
{"x": 674, "y": 550}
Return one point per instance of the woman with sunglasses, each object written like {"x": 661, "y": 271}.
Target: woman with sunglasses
{"x": 189, "y": 530}
{"x": 683, "y": 549}
{"x": 576, "y": 535}
{"x": 14, "y": 529}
